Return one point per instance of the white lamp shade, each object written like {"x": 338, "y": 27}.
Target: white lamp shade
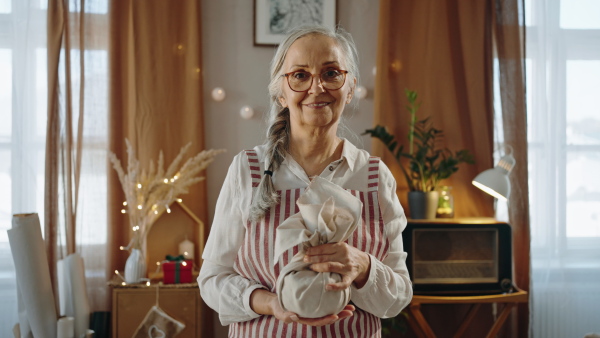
{"x": 495, "y": 181}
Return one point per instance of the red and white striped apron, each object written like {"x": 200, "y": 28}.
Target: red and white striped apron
{"x": 255, "y": 257}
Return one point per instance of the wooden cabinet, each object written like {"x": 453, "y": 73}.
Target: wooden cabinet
{"x": 131, "y": 303}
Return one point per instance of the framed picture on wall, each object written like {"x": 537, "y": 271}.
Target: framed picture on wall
{"x": 273, "y": 18}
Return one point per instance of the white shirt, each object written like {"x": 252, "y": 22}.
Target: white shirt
{"x": 388, "y": 289}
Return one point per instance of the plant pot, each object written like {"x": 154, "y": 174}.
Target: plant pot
{"x": 422, "y": 205}
{"x": 135, "y": 267}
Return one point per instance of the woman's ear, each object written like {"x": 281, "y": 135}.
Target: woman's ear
{"x": 282, "y": 101}
{"x": 351, "y": 92}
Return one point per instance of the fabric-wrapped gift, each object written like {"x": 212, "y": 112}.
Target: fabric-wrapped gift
{"x": 328, "y": 214}
{"x": 177, "y": 270}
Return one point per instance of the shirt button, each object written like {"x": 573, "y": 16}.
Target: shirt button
{"x": 330, "y": 168}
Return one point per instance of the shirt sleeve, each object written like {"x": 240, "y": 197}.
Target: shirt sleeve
{"x": 388, "y": 289}
{"x": 221, "y": 288}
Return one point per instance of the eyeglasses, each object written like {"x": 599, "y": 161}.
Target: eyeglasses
{"x": 300, "y": 81}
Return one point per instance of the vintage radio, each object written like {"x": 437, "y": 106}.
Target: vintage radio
{"x": 458, "y": 257}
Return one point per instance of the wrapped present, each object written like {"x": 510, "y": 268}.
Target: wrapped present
{"x": 177, "y": 270}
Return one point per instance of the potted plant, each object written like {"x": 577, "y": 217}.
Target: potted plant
{"x": 425, "y": 163}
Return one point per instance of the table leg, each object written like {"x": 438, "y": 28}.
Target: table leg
{"x": 417, "y": 316}
{"x": 500, "y": 321}
{"x": 467, "y": 321}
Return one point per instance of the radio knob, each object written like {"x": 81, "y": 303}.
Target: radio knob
{"x": 506, "y": 285}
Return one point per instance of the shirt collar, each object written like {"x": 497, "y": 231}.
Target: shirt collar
{"x": 349, "y": 154}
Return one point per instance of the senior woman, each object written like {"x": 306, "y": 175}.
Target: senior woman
{"x": 313, "y": 76}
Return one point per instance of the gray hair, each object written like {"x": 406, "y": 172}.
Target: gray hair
{"x": 279, "y": 117}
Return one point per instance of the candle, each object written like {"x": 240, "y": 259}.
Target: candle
{"x": 186, "y": 248}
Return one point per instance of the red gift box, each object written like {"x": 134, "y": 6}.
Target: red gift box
{"x": 177, "y": 271}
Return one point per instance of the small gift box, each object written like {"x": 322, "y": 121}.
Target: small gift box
{"x": 177, "y": 270}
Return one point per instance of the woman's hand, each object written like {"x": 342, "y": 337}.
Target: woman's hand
{"x": 352, "y": 264}
{"x": 266, "y": 303}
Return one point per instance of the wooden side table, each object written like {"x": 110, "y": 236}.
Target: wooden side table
{"x": 131, "y": 303}
{"x": 420, "y": 326}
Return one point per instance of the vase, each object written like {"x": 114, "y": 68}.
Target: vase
{"x": 422, "y": 205}
{"x": 135, "y": 267}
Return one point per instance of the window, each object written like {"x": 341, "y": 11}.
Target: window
{"x": 563, "y": 99}
{"x": 23, "y": 115}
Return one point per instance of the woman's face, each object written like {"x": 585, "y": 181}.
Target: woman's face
{"x": 317, "y": 107}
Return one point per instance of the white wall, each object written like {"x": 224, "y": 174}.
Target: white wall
{"x": 232, "y": 62}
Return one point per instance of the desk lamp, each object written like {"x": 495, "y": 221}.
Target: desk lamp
{"x": 495, "y": 181}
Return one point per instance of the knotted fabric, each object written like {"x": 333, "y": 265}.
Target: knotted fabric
{"x": 328, "y": 214}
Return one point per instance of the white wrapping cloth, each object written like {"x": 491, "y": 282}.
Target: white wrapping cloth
{"x": 328, "y": 214}
{"x": 33, "y": 277}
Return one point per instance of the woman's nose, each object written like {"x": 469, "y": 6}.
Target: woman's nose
{"x": 316, "y": 86}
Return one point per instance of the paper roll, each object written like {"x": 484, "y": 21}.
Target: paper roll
{"x": 65, "y": 327}
{"x": 73, "y": 296}
{"x": 33, "y": 275}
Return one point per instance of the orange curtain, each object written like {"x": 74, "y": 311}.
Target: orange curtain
{"x": 510, "y": 46}
{"x": 442, "y": 50}
{"x": 155, "y": 91}
{"x": 64, "y": 135}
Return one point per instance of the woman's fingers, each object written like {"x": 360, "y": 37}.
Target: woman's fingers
{"x": 318, "y": 321}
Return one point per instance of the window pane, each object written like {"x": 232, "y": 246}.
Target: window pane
{"x": 94, "y": 7}
{"x": 580, "y": 14}
{"x": 5, "y": 95}
{"x": 41, "y": 91}
{"x": 583, "y": 102}
{"x": 5, "y": 195}
{"x": 5, "y": 6}
{"x": 583, "y": 194}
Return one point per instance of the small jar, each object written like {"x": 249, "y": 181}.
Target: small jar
{"x": 445, "y": 207}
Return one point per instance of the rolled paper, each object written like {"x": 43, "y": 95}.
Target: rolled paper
{"x": 73, "y": 296}
{"x": 33, "y": 275}
{"x": 65, "y": 327}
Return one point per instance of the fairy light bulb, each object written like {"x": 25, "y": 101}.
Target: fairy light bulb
{"x": 179, "y": 200}
{"x": 125, "y": 203}
{"x": 168, "y": 210}
{"x": 166, "y": 180}
{"x": 123, "y": 211}
{"x": 121, "y": 248}
{"x": 139, "y": 185}
{"x": 140, "y": 207}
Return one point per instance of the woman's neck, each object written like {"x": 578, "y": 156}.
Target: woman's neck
{"x": 315, "y": 153}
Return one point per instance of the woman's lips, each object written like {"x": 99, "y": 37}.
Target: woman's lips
{"x": 317, "y": 104}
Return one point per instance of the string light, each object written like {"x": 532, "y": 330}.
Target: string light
{"x": 140, "y": 207}
{"x": 148, "y": 283}
{"x": 125, "y": 203}
{"x": 121, "y": 248}
{"x": 139, "y": 185}
{"x": 184, "y": 263}
{"x": 168, "y": 210}
{"x": 123, "y": 211}
{"x": 179, "y": 200}
{"x": 166, "y": 180}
